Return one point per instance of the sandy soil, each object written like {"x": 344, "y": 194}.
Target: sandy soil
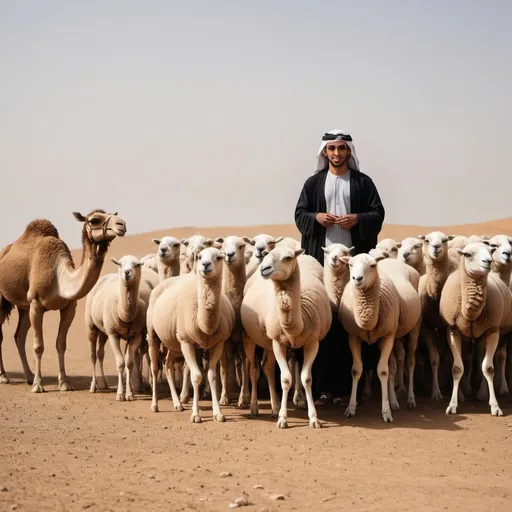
{"x": 77, "y": 450}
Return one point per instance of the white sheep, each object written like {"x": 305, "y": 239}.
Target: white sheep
{"x": 411, "y": 252}
{"x": 262, "y": 244}
{"x": 336, "y": 272}
{"x": 168, "y": 256}
{"x": 190, "y": 244}
{"x": 390, "y": 246}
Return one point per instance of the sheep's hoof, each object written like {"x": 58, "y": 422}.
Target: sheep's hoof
{"x": 503, "y": 389}
{"x": 496, "y": 411}
{"x": 93, "y": 387}
{"x": 29, "y": 378}
{"x": 129, "y": 397}
{"x": 219, "y": 417}
{"x": 224, "y": 400}
{"x": 483, "y": 394}
{"x": 436, "y": 395}
{"x": 4, "y": 379}
{"x": 401, "y": 391}
{"x": 244, "y": 401}
{"x": 184, "y": 399}
{"x": 178, "y": 407}
{"x": 315, "y": 423}
{"x": 282, "y": 423}
{"x": 65, "y": 386}
{"x": 37, "y": 388}
{"x": 102, "y": 384}
{"x": 120, "y": 397}
{"x": 206, "y": 395}
{"x": 254, "y": 412}
{"x": 451, "y": 409}
{"x": 275, "y": 414}
{"x": 350, "y": 411}
{"x": 195, "y": 418}
{"x": 154, "y": 408}
{"x": 395, "y": 406}
{"x": 386, "y": 416}
{"x": 411, "y": 403}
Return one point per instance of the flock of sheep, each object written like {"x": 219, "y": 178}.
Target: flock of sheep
{"x": 199, "y": 303}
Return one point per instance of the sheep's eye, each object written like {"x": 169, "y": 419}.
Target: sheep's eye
{"x": 417, "y": 246}
{"x": 494, "y": 245}
{"x": 394, "y": 249}
{"x": 350, "y": 264}
{"x": 94, "y": 221}
{"x": 444, "y": 240}
{"x": 373, "y": 265}
{"x": 287, "y": 258}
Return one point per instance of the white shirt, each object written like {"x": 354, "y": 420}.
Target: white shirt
{"x": 337, "y": 198}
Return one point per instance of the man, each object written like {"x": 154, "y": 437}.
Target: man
{"x": 338, "y": 204}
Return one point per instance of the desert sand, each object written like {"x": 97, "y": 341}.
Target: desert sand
{"x": 77, "y": 450}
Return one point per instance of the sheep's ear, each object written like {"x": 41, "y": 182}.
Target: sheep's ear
{"x": 265, "y": 252}
{"x": 486, "y": 242}
{"x": 298, "y": 252}
{"x": 278, "y": 239}
{"x": 345, "y": 259}
{"x": 493, "y": 249}
{"x": 325, "y": 250}
{"x": 156, "y": 240}
{"x": 219, "y": 239}
{"x": 208, "y": 242}
{"x": 184, "y": 241}
{"x": 451, "y": 237}
{"x": 351, "y": 249}
{"x": 398, "y": 245}
{"x": 381, "y": 256}
{"x": 115, "y": 261}
{"x": 248, "y": 240}
{"x": 422, "y": 237}
{"x": 79, "y": 217}
{"x": 137, "y": 264}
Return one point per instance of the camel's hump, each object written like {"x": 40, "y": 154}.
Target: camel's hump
{"x": 40, "y": 227}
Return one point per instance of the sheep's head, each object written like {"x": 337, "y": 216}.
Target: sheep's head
{"x": 378, "y": 254}
{"x": 477, "y": 258}
{"x": 476, "y": 239}
{"x": 209, "y": 262}
{"x": 390, "y": 246}
{"x": 435, "y": 244}
{"x": 280, "y": 263}
{"x": 264, "y": 243}
{"x": 168, "y": 248}
{"x": 129, "y": 268}
{"x": 233, "y": 248}
{"x": 363, "y": 271}
{"x": 411, "y": 251}
{"x": 503, "y": 248}
{"x": 333, "y": 255}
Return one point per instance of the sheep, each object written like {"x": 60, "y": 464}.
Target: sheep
{"x": 190, "y": 243}
{"x": 336, "y": 272}
{"x": 369, "y": 311}
{"x": 150, "y": 261}
{"x": 457, "y": 242}
{"x": 262, "y": 244}
{"x": 115, "y": 310}
{"x": 475, "y": 305}
{"x": 390, "y": 246}
{"x": 378, "y": 253}
{"x": 292, "y": 242}
{"x": 286, "y": 305}
{"x": 411, "y": 252}
{"x": 193, "y": 312}
{"x": 168, "y": 256}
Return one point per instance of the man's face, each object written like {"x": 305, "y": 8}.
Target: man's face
{"x": 337, "y": 153}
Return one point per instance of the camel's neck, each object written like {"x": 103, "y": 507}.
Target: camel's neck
{"x": 473, "y": 294}
{"x": 437, "y": 274}
{"x": 77, "y": 283}
{"x": 168, "y": 270}
{"x": 234, "y": 279}
{"x": 208, "y": 304}
{"x": 128, "y": 300}
{"x": 503, "y": 270}
{"x": 287, "y": 295}
{"x": 366, "y": 307}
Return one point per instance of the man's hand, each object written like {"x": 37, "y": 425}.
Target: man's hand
{"x": 347, "y": 221}
{"x": 326, "y": 219}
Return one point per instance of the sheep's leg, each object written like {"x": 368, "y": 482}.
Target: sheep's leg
{"x": 171, "y": 380}
{"x": 269, "y": 369}
{"x": 185, "y": 386}
{"x": 393, "y": 401}
{"x": 367, "y": 389}
{"x": 131, "y": 348}
{"x": 483, "y": 390}
{"x": 20, "y": 337}
{"x": 66, "y": 318}
{"x": 399, "y": 352}
{"x": 101, "y": 383}
{"x": 491, "y": 342}
{"x": 189, "y": 352}
{"x": 225, "y": 359}
{"x": 455, "y": 341}
{"x": 215, "y": 355}
{"x": 207, "y": 391}
{"x": 310, "y": 352}
{"x": 286, "y": 381}
{"x": 245, "y": 397}
{"x": 383, "y": 372}
{"x": 154, "y": 357}
{"x": 501, "y": 359}
{"x": 357, "y": 370}
{"x": 137, "y": 372}
{"x": 299, "y": 399}
{"x": 411, "y": 364}
{"x": 434, "y": 363}
{"x": 115, "y": 343}
{"x": 250, "y": 353}
{"x": 93, "y": 337}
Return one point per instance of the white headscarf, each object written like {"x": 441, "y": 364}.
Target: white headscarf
{"x": 321, "y": 160}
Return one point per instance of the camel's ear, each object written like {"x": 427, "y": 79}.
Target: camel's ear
{"x": 79, "y": 217}
{"x": 351, "y": 249}
{"x": 247, "y": 240}
{"x": 156, "y": 240}
{"x": 115, "y": 261}
{"x": 298, "y": 252}
{"x": 278, "y": 239}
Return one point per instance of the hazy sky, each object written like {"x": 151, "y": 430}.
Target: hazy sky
{"x": 211, "y": 112}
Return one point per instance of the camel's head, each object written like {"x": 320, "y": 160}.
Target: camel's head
{"x": 333, "y": 255}
{"x": 477, "y": 258}
{"x": 280, "y": 263}
{"x": 363, "y": 271}
{"x": 378, "y": 254}
{"x": 503, "y": 249}
{"x": 390, "y": 246}
{"x": 264, "y": 243}
{"x": 168, "y": 248}
{"x": 435, "y": 244}
{"x": 209, "y": 262}
{"x": 101, "y": 226}
{"x": 129, "y": 268}
{"x": 411, "y": 251}
{"x": 233, "y": 248}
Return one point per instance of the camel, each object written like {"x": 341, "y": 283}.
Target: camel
{"x": 37, "y": 274}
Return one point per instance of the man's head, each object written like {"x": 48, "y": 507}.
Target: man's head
{"x": 337, "y": 149}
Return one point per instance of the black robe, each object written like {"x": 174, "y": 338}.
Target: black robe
{"x": 364, "y": 201}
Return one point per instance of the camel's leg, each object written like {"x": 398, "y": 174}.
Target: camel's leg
{"x": 392, "y": 363}
{"x": 154, "y": 357}
{"x": 433, "y": 353}
{"x": 286, "y": 381}
{"x": 66, "y": 318}
{"x": 92, "y": 332}
{"x": 101, "y": 383}
{"x": 501, "y": 359}
{"x": 357, "y": 370}
{"x": 189, "y": 352}
{"x": 310, "y": 352}
{"x": 225, "y": 360}
{"x": 244, "y": 398}
{"x": 36, "y": 321}
{"x": 299, "y": 398}
{"x": 411, "y": 365}
{"x": 386, "y": 347}
{"x": 185, "y": 386}
{"x": 215, "y": 355}
{"x": 508, "y": 364}
{"x": 269, "y": 369}
{"x": 115, "y": 343}
{"x": 3, "y": 376}
{"x": 399, "y": 352}
{"x": 491, "y": 342}
{"x": 129, "y": 359}
{"x": 171, "y": 380}
{"x": 250, "y": 353}
{"x": 455, "y": 341}
{"x": 20, "y": 336}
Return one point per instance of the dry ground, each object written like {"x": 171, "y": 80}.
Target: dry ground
{"x": 77, "y": 450}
